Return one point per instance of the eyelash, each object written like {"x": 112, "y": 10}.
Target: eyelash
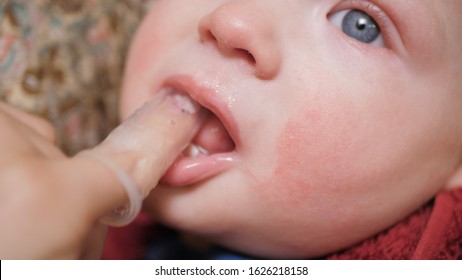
{"x": 372, "y": 10}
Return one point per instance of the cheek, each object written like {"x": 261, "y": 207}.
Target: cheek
{"x": 136, "y": 81}
{"x": 314, "y": 155}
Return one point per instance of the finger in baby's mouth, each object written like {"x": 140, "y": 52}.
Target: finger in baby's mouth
{"x": 211, "y": 151}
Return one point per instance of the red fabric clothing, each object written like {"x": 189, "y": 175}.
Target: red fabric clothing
{"x": 128, "y": 243}
{"x": 433, "y": 232}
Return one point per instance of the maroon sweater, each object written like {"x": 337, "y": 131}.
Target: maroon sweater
{"x": 433, "y": 232}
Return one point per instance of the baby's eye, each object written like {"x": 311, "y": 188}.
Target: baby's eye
{"x": 358, "y": 25}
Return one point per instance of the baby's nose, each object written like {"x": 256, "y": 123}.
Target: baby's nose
{"x": 245, "y": 28}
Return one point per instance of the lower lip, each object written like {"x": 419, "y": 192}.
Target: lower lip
{"x": 187, "y": 170}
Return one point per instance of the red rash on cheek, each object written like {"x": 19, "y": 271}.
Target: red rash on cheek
{"x": 290, "y": 182}
{"x": 314, "y": 155}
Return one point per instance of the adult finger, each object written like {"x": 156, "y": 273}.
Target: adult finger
{"x": 144, "y": 146}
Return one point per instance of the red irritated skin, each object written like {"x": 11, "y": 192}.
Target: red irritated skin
{"x": 328, "y": 120}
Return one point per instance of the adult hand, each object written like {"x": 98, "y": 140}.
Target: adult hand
{"x": 50, "y": 204}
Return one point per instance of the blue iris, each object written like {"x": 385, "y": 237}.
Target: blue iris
{"x": 360, "y": 26}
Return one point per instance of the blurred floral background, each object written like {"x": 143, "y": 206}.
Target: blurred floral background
{"x": 63, "y": 60}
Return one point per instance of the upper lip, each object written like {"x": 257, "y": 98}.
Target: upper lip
{"x": 207, "y": 98}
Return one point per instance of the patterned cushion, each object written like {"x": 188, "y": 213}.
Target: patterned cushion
{"x": 63, "y": 60}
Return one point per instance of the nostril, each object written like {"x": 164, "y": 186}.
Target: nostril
{"x": 208, "y": 36}
{"x": 248, "y": 55}
{"x": 244, "y": 37}
{"x": 227, "y": 48}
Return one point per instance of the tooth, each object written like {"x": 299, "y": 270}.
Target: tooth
{"x": 194, "y": 151}
{"x": 201, "y": 150}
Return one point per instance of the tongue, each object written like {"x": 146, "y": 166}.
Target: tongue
{"x": 214, "y": 137}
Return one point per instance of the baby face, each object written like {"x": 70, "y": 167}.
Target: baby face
{"x": 329, "y": 120}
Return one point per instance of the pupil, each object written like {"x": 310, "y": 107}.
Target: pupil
{"x": 362, "y": 24}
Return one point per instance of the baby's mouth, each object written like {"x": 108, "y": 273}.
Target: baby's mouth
{"x": 210, "y": 152}
{"x": 212, "y": 138}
